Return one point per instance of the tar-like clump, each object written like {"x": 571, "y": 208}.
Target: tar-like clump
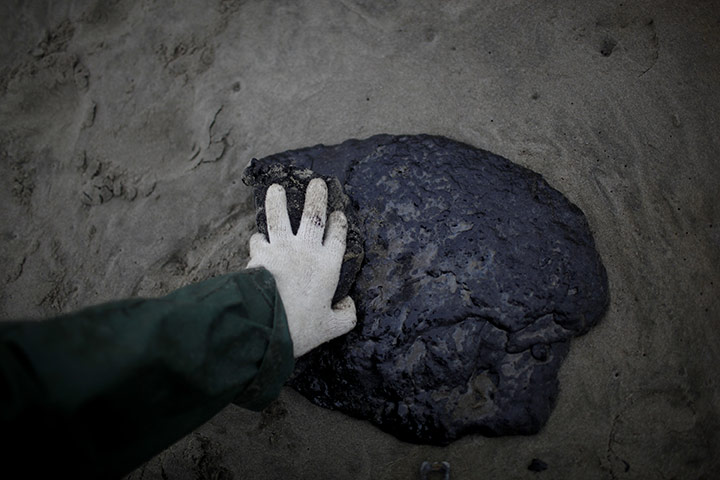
{"x": 476, "y": 276}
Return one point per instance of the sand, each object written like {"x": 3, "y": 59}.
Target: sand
{"x": 125, "y": 127}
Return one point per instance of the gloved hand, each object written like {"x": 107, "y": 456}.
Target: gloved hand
{"x": 306, "y": 268}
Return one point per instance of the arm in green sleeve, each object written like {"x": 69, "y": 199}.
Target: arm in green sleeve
{"x": 100, "y": 391}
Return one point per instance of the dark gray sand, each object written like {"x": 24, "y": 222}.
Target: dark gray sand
{"x": 125, "y": 128}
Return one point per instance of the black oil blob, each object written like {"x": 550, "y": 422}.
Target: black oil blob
{"x": 608, "y": 45}
{"x": 537, "y": 465}
{"x": 476, "y": 276}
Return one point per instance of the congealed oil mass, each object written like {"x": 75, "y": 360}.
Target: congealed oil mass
{"x": 470, "y": 274}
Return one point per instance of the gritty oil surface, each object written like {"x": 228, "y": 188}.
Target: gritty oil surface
{"x": 476, "y": 276}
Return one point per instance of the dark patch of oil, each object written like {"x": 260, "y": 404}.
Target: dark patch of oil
{"x": 476, "y": 276}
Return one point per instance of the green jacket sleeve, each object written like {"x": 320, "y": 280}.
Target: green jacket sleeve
{"x": 100, "y": 391}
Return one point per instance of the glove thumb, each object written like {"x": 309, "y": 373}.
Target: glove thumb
{"x": 344, "y": 318}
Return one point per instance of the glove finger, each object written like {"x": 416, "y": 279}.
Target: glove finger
{"x": 336, "y": 236}
{"x": 312, "y": 223}
{"x": 278, "y": 221}
{"x": 344, "y": 317}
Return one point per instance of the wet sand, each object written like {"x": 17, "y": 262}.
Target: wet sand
{"x": 125, "y": 127}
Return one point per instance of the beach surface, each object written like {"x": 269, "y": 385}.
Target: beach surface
{"x": 125, "y": 127}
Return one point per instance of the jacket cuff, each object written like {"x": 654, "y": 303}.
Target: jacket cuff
{"x": 278, "y": 363}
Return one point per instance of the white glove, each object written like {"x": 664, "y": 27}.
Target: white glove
{"x": 306, "y": 268}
